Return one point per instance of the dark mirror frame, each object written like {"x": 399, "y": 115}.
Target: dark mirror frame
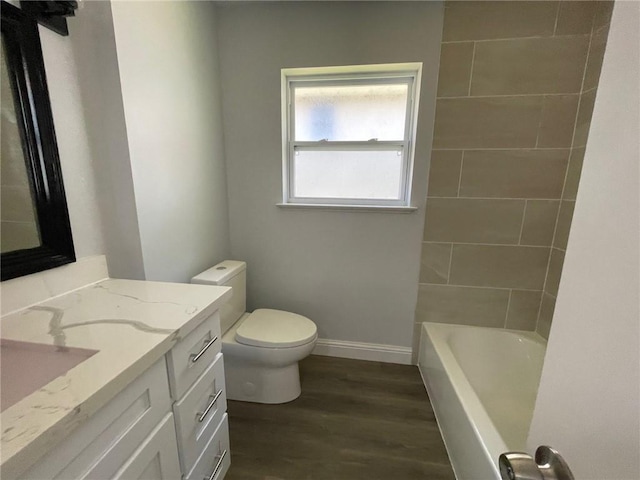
{"x": 25, "y": 66}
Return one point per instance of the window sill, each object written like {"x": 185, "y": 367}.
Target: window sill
{"x": 349, "y": 208}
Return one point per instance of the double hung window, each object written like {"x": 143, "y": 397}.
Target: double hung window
{"x": 349, "y": 134}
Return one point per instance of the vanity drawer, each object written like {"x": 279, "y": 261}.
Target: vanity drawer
{"x": 104, "y": 442}
{"x": 156, "y": 458}
{"x": 191, "y": 356}
{"x": 199, "y": 412}
{"x": 216, "y": 456}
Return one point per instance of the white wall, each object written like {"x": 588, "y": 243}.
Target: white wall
{"x": 588, "y": 403}
{"x": 354, "y": 274}
{"x": 92, "y": 39}
{"x": 78, "y": 165}
{"x": 167, "y": 59}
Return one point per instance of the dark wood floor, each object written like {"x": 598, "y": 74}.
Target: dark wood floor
{"x": 354, "y": 420}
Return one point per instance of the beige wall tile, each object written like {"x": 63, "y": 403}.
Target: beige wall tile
{"x": 529, "y": 66}
{"x": 539, "y": 222}
{"x": 473, "y": 221}
{"x": 583, "y": 122}
{"x": 575, "y": 17}
{"x": 546, "y": 315}
{"x": 415, "y": 344}
{"x": 434, "y": 266}
{"x": 596, "y": 55}
{"x": 473, "y": 20}
{"x": 444, "y": 173}
{"x": 455, "y": 69}
{"x": 603, "y": 15}
{"x": 558, "y": 119}
{"x": 513, "y": 173}
{"x": 573, "y": 173}
{"x": 524, "y": 306}
{"x": 485, "y": 307}
{"x": 565, "y": 216}
{"x": 555, "y": 272}
{"x": 499, "y": 266}
{"x": 500, "y": 122}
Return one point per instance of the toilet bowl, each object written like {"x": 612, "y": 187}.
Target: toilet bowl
{"x": 261, "y": 349}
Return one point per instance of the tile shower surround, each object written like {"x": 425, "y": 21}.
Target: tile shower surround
{"x": 515, "y": 96}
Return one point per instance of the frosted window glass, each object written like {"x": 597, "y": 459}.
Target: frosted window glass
{"x": 350, "y": 113}
{"x": 347, "y": 174}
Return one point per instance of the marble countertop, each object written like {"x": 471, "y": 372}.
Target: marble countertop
{"x": 131, "y": 324}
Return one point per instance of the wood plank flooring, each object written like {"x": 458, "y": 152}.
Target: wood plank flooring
{"x": 354, "y": 420}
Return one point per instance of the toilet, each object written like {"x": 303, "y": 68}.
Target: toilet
{"x": 261, "y": 349}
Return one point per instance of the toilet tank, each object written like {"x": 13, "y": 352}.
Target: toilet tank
{"x": 230, "y": 273}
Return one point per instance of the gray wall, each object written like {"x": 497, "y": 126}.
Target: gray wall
{"x": 166, "y": 53}
{"x": 354, "y": 274}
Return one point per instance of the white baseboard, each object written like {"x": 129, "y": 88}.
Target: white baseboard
{"x": 363, "y": 351}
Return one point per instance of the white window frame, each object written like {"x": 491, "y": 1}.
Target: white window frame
{"x": 402, "y": 73}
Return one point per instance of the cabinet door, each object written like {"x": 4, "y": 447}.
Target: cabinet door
{"x": 156, "y": 458}
{"x": 105, "y": 441}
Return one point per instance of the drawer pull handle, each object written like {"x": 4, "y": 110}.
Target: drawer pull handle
{"x": 214, "y": 399}
{"x": 218, "y": 465}
{"x": 194, "y": 357}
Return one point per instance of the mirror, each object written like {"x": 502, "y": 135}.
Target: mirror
{"x": 35, "y": 233}
{"x": 19, "y": 227}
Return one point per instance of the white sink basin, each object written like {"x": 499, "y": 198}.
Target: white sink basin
{"x": 27, "y": 367}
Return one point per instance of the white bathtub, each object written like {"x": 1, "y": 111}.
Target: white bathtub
{"x": 482, "y": 383}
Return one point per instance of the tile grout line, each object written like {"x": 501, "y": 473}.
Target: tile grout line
{"x": 540, "y": 308}
{"x": 540, "y": 119}
{"x": 555, "y": 25}
{"x": 507, "y": 95}
{"x": 473, "y": 59}
{"x": 593, "y": 24}
{"x": 483, "y": 287}
{"x": 507, "y": 39}
{"x": 506, "y": 316}
{"x": 584, "y": 76}
{"x": 524, "y": 214}
{"x": 442, "y": 242}
{"x": 573, "y": 139}
{"x": 546, "y": 274}
{"x": 499, "y": 198}
{"x": 481, "y": 149}
{"x": 459, "y": 177}
{"x": 450, "y": 262}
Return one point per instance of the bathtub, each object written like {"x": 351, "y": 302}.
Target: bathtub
{"x": 482, "y": 383}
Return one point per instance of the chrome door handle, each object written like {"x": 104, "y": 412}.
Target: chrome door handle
{"x": 548, "y": 465}
{"x": 194, "y": 357}
{"x": 217, "y": 467}
{"x": 214, "y": 399}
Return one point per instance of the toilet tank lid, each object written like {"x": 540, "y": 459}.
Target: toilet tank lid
{"x": 221, "y": 273}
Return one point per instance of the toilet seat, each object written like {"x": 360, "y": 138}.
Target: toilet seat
{"x": 275, "y": 329}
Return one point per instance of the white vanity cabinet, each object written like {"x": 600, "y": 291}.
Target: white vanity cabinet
{"x": 115, "y": 435}
{"x": 169, "y": 423}
{"x": 196, "y": 379}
